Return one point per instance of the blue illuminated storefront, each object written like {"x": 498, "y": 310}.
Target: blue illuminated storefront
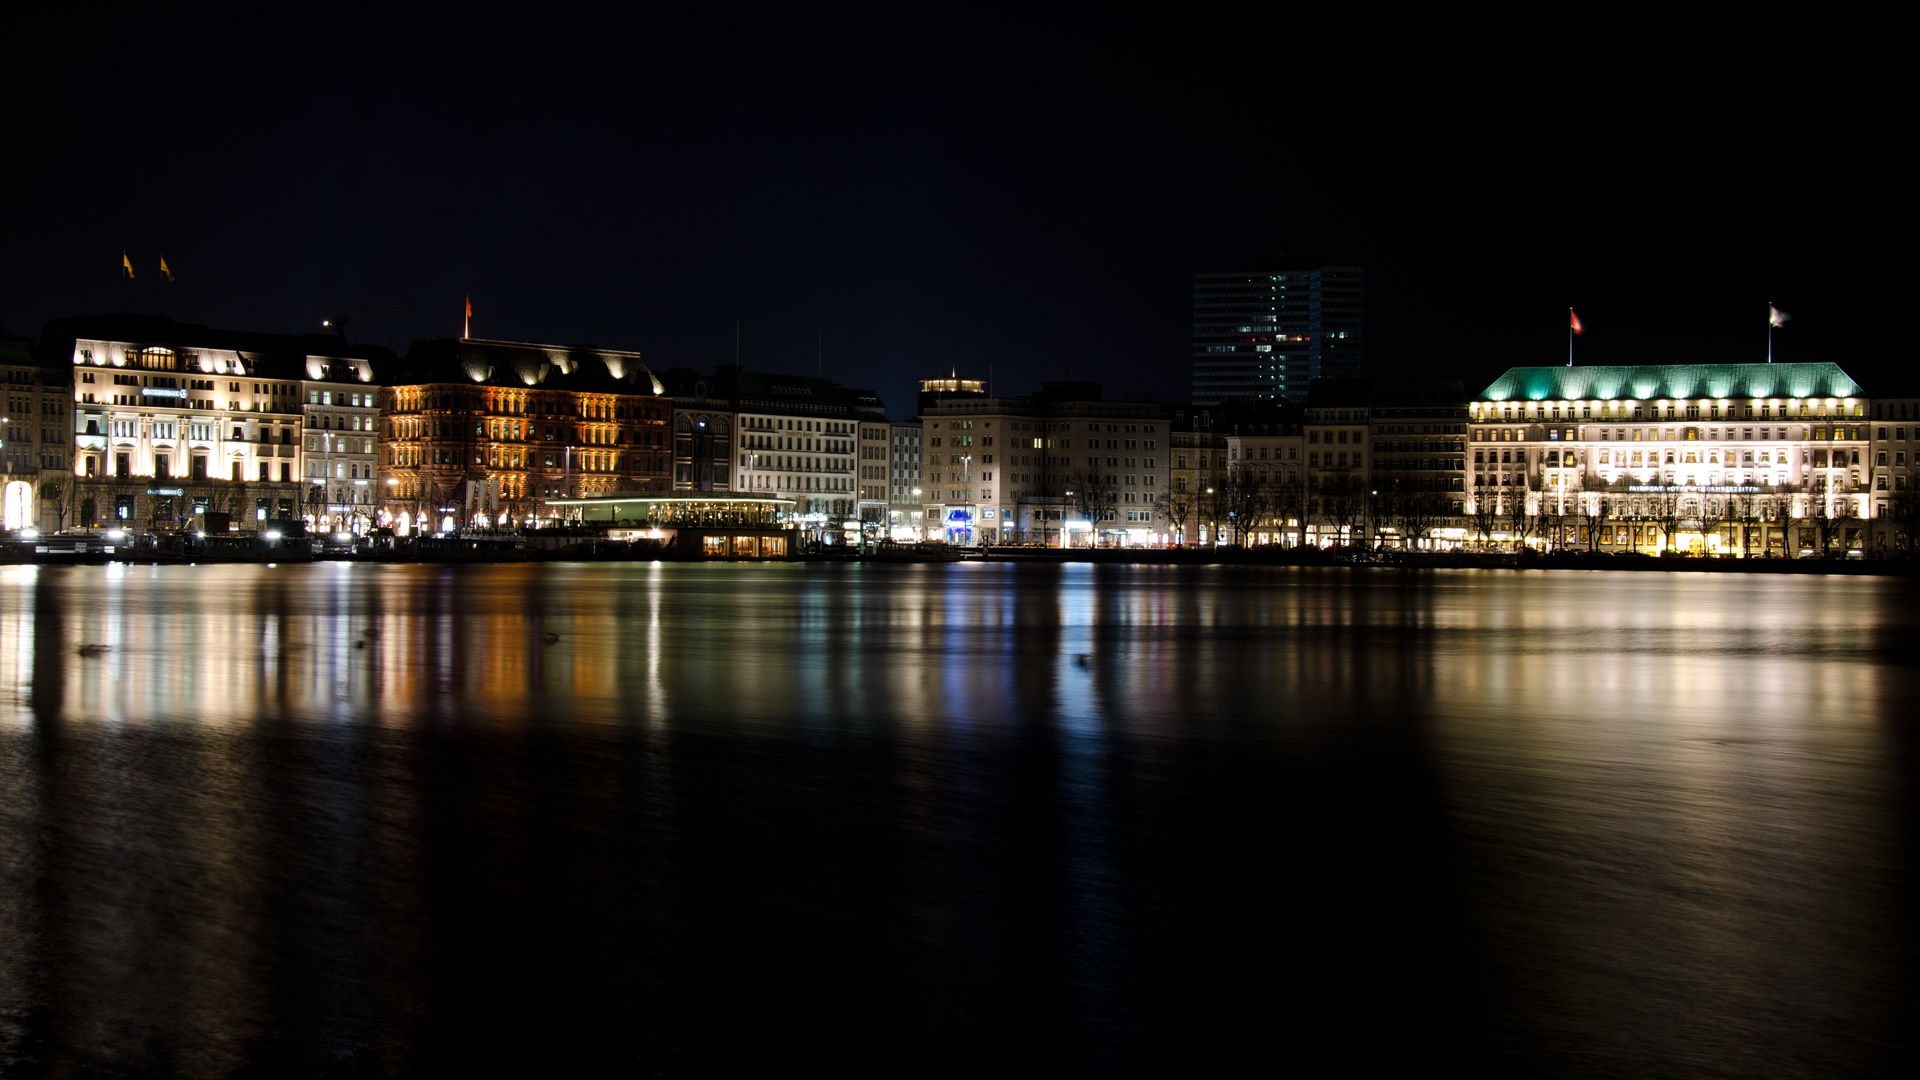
{"x": 960, "y": 525}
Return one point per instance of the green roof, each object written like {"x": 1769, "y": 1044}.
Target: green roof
{"x": 1672, "y": 381}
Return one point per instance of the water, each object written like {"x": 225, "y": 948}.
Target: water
{"x": 677, "y": 820}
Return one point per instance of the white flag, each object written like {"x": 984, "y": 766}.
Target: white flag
{"x": 1778, "y": 317}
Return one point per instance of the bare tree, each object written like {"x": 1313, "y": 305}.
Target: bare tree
{"x": 1903, "y": 509}
{"x": 1417, "y": 513}
{"x": 1740, "y": 511}
{"x": 1593, "y": 518}
{"x": 56, "y": 496}
{"x": 316, "y": 503}
{"x": 1485, "y": 513}
{"x": 1177, "y": 503}
{"x": 1342, "y": 500}
{"x": 1245, "y": 500}
{"x": 1819, "y": 516}
{"x": 1667, "y": 509}
{"x": 1713, "y": 513}
{"x": 1287, "y": 500}
{"x": 1093, "y": 495}
{"x": 1842, "y": 514}
{"x": 1778, "y": 512}
{"x": 1519, "y": 522}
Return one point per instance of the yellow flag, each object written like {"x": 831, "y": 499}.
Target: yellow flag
{"x": 126, "y": 262}
{"x": 163, "y": 268}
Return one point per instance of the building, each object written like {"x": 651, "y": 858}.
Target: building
{"x": 792, "y": 437}
{"x": 36, "y": 441}
{"x": 1263, "y": 499}
{"x": 480, "y": 433}
{"x": 174, "y": 421}
{"x": 1265, "y": 334}
{"x": 1418, "y": 476}
{"x": 1030, "y": 469}
{"x": 904, "y": 483}
{"x": 1339, "y": 487}
{"x": 1896, "y": 466}
{"x": 1197, "y": 458}
{"x": 341, "y": 417}
{"x": 872, "y": 450}
{"x": 1729, "y": 458}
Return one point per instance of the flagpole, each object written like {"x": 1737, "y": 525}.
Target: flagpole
{"x": 1569, "y": 337}
{"x": 1769, "y": 331}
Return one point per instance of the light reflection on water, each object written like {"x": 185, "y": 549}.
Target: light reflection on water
{"x": 330, "y": 817}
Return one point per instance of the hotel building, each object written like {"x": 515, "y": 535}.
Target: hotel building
{"x": 1722, "y": 457}
{"x": 479, "y": 433}
{"x": 175, "y": 421}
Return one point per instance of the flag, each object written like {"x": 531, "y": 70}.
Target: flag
{"x": 1776, "y": 317}
{"x": 127, "y": 263}
{"x": 163, "y": 268}
{"x": 469, "y": 307}
{"x": 1577, "y": 328}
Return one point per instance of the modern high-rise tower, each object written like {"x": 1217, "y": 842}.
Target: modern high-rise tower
{"x": 1263, "y": 334}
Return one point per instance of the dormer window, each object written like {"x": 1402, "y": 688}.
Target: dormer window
{"x": 156, "y": 359}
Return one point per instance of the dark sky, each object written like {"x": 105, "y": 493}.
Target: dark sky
{"x": 1026, "y": 193}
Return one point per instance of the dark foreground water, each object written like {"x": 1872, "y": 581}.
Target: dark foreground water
{"x": 963, "y": 820}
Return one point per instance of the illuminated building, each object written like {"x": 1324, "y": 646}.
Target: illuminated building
{"x": 1028, "y": 469}
{"x": 1262, "y": 494}
{"x": 1266, "y": 333}
{"x": 1338, "y": 483}
{"x": 791, "y": 437}
{"x": 905, "y": 480}
{"x": 481, "y": 433}
{"x": 1714, "y": 457}
{"x": 174, "y": 421}
{"x": 875, "y": 435}
{"x": 1197, "y": 462}
{"x": 35, "y": 442}
{"x": 693, "y": 525}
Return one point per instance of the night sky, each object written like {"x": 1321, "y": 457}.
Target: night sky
{"x": 1025, "y": 193}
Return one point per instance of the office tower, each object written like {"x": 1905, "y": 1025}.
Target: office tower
{"x": 1263, "y": 334}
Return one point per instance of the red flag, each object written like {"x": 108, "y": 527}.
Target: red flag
{"x": 470, "y": 309}
{"x": 1577, "y": 328}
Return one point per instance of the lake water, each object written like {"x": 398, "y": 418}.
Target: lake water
{"x": 654, "y": 819}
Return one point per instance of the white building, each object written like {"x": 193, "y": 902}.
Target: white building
{"x": 1708, "y": 457}
{"x": 174, "y": 421}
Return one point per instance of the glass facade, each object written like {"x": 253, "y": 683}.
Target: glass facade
{"x": 1263, "y": 335}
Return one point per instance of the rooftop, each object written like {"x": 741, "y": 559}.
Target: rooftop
{"x": 1672, "y": 381}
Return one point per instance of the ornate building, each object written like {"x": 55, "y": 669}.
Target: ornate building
{"x": 1759, "y": 458}
{"x": 479, "y": 433}
{"x": 173, "y": 421}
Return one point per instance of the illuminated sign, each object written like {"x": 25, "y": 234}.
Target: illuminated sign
{"x": 1696, "y": 489}
{"x": 150, "y": 392}
{"x": 959, "y": 515}
{"x": 165, "y": 491}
